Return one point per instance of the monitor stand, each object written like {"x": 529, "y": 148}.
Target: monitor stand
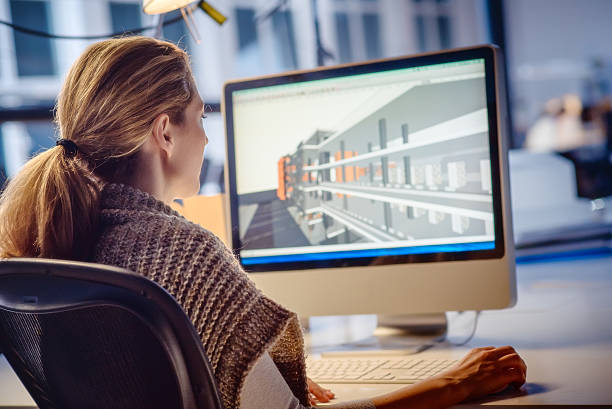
{"x": 393, "y": 335}
{"x": 415, "y": 324}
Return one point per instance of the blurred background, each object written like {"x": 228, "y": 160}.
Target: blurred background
{"x": 559, "y": 62}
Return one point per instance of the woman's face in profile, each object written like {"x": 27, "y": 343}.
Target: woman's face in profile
{"x": 189, "y": 152}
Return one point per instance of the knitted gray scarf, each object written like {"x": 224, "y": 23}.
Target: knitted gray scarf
{"x": 236, "y": 322}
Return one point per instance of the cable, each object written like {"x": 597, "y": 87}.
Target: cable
{"x": 469, "y": 338}
{"x": 91, "y": 37}
{"x": 444, "y": 338}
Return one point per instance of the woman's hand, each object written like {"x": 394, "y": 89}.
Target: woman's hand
{"x": 487, "y": 370}
{"x": 318, "y": 393}
{"x": 483, "y": 371}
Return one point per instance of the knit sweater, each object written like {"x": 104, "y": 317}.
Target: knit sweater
{"x": 235, "y": 321}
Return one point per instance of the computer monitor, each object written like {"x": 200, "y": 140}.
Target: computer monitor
{"x": 377, "y": 187}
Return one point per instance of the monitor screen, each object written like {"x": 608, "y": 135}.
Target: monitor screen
{"x": 378, "y": 163}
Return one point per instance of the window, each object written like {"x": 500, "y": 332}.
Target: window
{"x": 3, "y": 172}
{"x": 371, "y": 30}
{"x": 22, "y": 140}
{"x": 344, "y": 38}
{"x": 249, "y": 59}
{"x": 358, "y": 30}
{"x": 125, "y": 16}
{"x": 176, "y": 32}
{"x": 433, "y": 24}
{"x": 282, "y": 23}
{"x": 247, "y": 31}
{"x": 444, "y": 31}
{"x": 421, "y": 35}
{"x": 34, "y": 54}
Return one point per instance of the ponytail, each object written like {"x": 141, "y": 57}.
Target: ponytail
{"x": 49, "y": 209}
{"x": 106, "y": 109}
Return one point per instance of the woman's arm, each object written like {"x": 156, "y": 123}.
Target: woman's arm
{"x": 482, "y": 372}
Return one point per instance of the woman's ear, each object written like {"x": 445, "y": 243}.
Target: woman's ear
{"x": 162, "y": 134}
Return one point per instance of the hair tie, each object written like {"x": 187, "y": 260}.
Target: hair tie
{"x": 70, "y": 147}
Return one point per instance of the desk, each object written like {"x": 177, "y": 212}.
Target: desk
{"x": 561, "y": 325}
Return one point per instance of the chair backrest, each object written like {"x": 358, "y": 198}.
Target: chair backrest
{"x": 86, "y": 336}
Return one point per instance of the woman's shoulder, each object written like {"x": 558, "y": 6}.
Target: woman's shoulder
{"x": 124, "y": 206}
{"x": 130, "y": 219}
{"x": 165, "y": 246}
{"x": 149, "y": 226}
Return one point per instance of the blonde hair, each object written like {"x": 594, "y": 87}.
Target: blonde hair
{"x": 107, "y": 106}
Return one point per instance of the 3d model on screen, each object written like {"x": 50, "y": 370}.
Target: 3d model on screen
{"x": 410, "y": 165}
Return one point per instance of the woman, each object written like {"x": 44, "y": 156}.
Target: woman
{"x": 131, "y": 141}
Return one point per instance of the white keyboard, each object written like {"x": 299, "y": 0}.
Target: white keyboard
{"x": 377, "y": 370}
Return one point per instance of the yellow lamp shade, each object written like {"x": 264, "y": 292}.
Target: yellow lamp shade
{"x": 163, "y": 6}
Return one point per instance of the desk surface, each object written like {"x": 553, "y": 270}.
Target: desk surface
{"x": 561, "y": 325}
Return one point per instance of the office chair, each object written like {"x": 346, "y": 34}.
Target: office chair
{"x": 87, "y": 336}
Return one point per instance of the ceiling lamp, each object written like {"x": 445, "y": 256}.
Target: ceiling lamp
{"x": 163, "y": 6}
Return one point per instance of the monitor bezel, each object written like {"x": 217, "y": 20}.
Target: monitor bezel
{"x": 480, "y": 52}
